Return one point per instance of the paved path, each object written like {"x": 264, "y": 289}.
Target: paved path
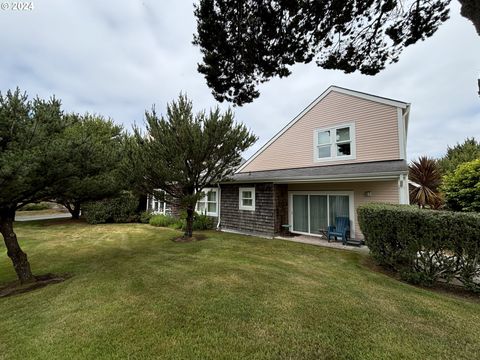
{"x": 43, "y": 217}
{"x": 313, "y": 240}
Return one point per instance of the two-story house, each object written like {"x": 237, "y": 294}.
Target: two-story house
{"x": 345, "y": 149}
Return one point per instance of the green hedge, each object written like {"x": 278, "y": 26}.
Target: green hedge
{"x": 35, "y": 206}
{"x": 424, "y": 245}
{"x": 162, "y": 220}
{"x": 120, "y": 209}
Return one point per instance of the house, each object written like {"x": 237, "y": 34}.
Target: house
{"x": 345, "y": 149}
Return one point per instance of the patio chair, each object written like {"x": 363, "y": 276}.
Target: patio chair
{"x": 341, "y": 229}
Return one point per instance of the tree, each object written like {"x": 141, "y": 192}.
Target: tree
{"x": 182, "y": 153}
{"x": 245, "y": 43}
{"x": 94, "y": 148}
{"x": 462, "y": 187}
{"x": 31, "y": 163}
{"x": 467, "y": 151}
{"x": 427, "y": 179}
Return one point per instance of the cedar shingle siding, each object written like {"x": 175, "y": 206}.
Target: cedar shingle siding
{"x": 261, "y": 221}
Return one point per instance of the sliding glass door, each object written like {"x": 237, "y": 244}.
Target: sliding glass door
{"x": 312, "y": 213}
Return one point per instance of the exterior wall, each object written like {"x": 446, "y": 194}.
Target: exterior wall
{"x": 260, "y": 221}
{"x": 381, "y": 191}
{"x": 376, "y": 134}
{"x": 280, "y": 198}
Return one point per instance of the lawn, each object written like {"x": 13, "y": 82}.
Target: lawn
{"x": 136, "y": 294}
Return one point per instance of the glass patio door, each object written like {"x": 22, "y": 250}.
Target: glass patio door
{"x": 313, "y": 213}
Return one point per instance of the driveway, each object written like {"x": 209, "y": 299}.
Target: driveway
{"x": 42, "y": 217}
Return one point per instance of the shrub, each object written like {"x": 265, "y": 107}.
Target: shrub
{"x": 120, "y": 209}
{"x": 424, "y": 245}
{"x": 162, "y": 220}
{"x": 35, "y": 206}
{"x": 462, "y": 187}
{"x": 200, "y": 222}
{"x": 145, "y": 217}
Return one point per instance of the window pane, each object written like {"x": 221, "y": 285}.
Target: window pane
{"x": 338, "y": 207}
{"x": 300, "y": 213}
{"x": 247, "y": 202}
{"x": 212, "y": 207}
{"x": 343, "y": 149}
{"x": 324, "y": 151}
{"x": 212, "y": 196}
{"x": 246, "y": 194}
{"x": 324, "y": 137}
{"x": 343, "y": 134}
{"x": 318, "y": 213}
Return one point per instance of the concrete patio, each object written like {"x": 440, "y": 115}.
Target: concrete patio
{"x": 318, "y": 241}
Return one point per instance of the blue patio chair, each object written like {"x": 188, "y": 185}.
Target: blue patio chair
{"x": 341, "y": 229}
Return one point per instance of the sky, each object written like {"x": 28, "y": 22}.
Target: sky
{"x": 118, "y": 58}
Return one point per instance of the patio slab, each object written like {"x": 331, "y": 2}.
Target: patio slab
{"x": 314, "y": 240}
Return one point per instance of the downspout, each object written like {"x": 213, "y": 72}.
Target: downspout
{"x": 219, "y": 204}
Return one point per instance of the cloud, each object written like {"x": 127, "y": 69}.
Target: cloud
{"x": 118, "y": 58}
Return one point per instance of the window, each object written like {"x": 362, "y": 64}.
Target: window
{"x": 334, "y": 143}
{"x": 312, "y": 212}
{"x": 247, "y": 199}
{"x": 156, "y": 206}
{"x": 209, "y": 203}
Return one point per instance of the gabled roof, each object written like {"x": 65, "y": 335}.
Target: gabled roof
{"x": 343, "y": 172}
{"x": 379, "y": 99}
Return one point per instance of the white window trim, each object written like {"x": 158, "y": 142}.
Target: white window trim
{"x": 240, "y": 203}
{"x": 351, "y": 210}
{"x": 205, "y": 200}
{"x": 333, "y": 142}
{"x": 164, "y": 207}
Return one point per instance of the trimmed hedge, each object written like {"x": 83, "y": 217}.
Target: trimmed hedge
{"x": 120, "y": 209}
{"x": 162, "y": 220}
{"x": 424, "y": 246}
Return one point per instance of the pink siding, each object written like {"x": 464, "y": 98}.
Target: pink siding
{"x": 381, "y": 191}
{"x": 376, "y": 134}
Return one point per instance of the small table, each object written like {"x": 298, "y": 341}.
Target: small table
{"x": 324, "y": 233}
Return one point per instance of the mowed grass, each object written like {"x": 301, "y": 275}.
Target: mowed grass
{"x": 136, "y": 294}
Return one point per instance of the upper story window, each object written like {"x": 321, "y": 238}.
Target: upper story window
{"x": 246, "y": 199}
{"x": 337, "y": 143}
{"x": 209, "y": 203}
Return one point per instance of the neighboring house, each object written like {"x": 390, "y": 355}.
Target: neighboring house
{"x": 345, "y": 149}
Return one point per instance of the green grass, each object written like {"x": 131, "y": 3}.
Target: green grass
{"x": 136, "y": 294}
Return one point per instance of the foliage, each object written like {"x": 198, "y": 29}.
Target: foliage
{"x": 245, "y": 43}
{"x": 94, "y": 147}
{"x": 461, "y": 153}
{"x": 182, "y": 153}
{"x": 424, "y": 245}
{"x": 200, "y": 221}
{"x": 32, "y": 162}
{"x": 425, "y": 173}
{"x": 462, "y": 187}
{"x": 119, "y": 209}
{"x": 145, "y": 217}
{"x": 35, "y": 206}
{"x": 162, "y": 220}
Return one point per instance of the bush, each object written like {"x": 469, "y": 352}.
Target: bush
{"x": 162, "y": 220}
{"x": 424, "y": 245}
{"x": 35, "y": 206}
{"x": 145, "y": 217}
{"x": 200, "y": 222}
{"x": 462, "y": 187}
{"x": 120, "y": 209}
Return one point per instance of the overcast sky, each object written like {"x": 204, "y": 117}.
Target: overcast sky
{"x": 117, "y": 58}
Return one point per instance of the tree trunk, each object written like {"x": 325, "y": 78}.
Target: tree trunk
{"x": 471, "y": 10}
{"x": 189, "y": 228}
{"x": 73, "y": 209}
{"x": 14, "y": 252}
{"x": 76, "y": 210}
